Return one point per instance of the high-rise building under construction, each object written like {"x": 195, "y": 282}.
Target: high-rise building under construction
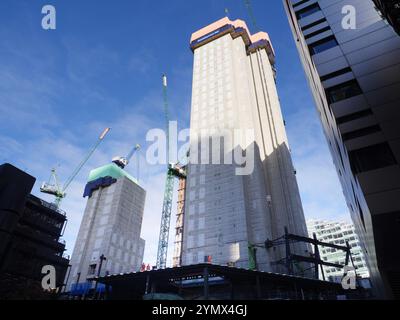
{"x": 109, "y": 240}
{"x": 229, "y": 213}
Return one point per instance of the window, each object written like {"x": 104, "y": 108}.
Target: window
{"x": 354, "y": 116}
{"x": 371, "y": 158}
{"x": 92, "y": 269}
{"x": 309, "y": 26}
{"x": 299, "y": 3}
{"x": 343, "y": 91}
{"x": 361, "y": 132}
{"x": 307, "y": 11}
{"x": 312, "y": 34}
{"x": 323, "y": 45}
{"x": 335, "y": 74}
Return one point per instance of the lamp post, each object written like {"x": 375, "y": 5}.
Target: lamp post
{"x": 102, "y": 258}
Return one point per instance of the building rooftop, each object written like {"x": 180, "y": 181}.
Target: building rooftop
{"x": 174, "y": 280}
{"x": 223, "y": 26}
{"x": 110, "y": 170}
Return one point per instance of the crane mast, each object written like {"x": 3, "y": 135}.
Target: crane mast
{"x": 250, "y": 11}
{"x": 165, "y": 221}
{"x": 168, "y": 193}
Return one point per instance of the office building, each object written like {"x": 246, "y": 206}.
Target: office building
{"x": 227, "y": 211}
{"x": 390, "y": 10}
{"x": 30, "y": 237}
{"x": 338, "y": 233}
{"x": 353, "y": 68}
{"x": 109, "y": 240}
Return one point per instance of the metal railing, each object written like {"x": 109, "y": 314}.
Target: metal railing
{"x": 52, "y": 206}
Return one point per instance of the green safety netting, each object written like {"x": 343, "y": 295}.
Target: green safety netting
{"x": 110, "y": 170}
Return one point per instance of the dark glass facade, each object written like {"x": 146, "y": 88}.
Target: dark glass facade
{"x": 30, "y": 237}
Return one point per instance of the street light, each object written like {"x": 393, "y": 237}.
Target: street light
{"x": 102, "y": 258}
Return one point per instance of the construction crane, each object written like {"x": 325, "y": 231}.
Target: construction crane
{"x": 55, "y": 188}
{"x": 173, "y": 171}
{"x": 122, "y": 162}
{"x": 251, "y": 15}
{"x": 227, "y": 12}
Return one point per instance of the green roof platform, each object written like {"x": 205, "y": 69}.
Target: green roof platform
{"x": 110, "y": 170}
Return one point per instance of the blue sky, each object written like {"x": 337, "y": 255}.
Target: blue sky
{"x": 102, "y": 67}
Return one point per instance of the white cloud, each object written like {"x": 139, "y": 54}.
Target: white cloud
{"x": 30, "y": 109}
{"x": 9, "y": 146}
{"x": 45, "y": 142}
{"x": 142, "y": 62}
{"x": 320, "y": 189}
{"x": 152, "y": 218}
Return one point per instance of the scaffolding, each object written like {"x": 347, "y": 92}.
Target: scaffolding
{"x": 292, "y": 260}
{"x": 177, "y": 258}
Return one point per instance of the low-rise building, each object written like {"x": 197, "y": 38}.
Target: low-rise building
{"x": 339, "y": 233}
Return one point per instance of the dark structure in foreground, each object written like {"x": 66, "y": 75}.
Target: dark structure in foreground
{"x": 30, "y": 231}
{"x": 206, "y": 281}
{"x": 390, "y": 9}
{"x": 354, "y": 76}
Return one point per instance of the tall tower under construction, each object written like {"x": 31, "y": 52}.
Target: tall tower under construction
{"x": 229, "y": 215}
{"x": 109, "y": 240}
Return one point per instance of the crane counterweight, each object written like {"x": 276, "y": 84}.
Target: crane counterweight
{"x": 122, "y": 162}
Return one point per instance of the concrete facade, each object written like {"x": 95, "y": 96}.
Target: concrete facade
{"x": 338, "y": 233}
{"x": 225, "y": 212}
{"x": 354, "y": 75}
{"x": 111, "y": 226}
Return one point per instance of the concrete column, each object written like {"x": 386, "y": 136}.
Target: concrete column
{"x": 206, "y": 286}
